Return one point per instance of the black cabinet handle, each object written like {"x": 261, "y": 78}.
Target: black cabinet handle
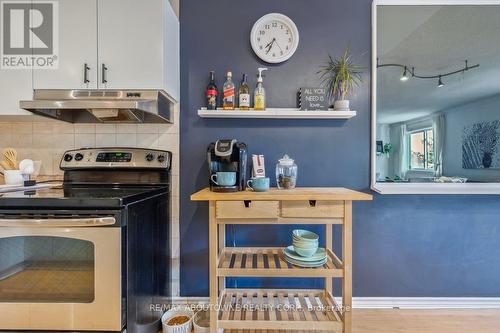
{"x": 86, "y": 69}
{"x": 104, "y": 69}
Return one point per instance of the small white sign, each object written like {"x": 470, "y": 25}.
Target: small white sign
{"x": 29, "y": 34}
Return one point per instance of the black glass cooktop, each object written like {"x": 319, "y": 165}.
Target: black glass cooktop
{"x": 80, "y": 196}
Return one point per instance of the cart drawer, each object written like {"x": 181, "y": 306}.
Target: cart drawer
{"x": 312, "y": 208}
{"x": 247, "y": 209}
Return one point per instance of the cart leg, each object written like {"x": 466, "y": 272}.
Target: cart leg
{"x": 212, "y": 240}
{"x": 222, "y": 245}
{"x": 329, "y": 245}
{"x": 347, "y": 260}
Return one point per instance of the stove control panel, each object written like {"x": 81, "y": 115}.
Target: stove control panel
{"x": 116, "y": 158}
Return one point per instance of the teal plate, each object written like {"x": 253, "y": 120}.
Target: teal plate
{"x": 313, "y": 264}
{"x": 320, "y": 255}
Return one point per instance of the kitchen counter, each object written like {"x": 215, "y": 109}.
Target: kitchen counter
{"x": 300, "y": 193}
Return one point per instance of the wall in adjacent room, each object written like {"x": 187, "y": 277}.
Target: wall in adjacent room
{"x": 403, "y": 245}
{"x": 384, "y": 165}
{"x": 486, "y": 109}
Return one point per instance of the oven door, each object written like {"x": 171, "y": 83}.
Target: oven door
{"x": 60, "y": 274}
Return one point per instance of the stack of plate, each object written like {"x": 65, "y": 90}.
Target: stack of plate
{"x": 316, "y": 260}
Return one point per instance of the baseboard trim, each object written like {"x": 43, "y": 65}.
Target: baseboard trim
{"x": 397, "y": 302}
{"x": 425, "y": 302}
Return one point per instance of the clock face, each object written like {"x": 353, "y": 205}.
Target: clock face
{"x": 274, "y": 38}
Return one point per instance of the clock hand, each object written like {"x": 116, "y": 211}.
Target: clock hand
{"x": 278, "y": 45}
{"x": 270, "y": 45}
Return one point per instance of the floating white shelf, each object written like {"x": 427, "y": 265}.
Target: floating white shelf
{"x": 276, "y": 113}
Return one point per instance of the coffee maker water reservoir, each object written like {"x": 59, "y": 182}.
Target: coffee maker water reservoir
{"x": 227, "y": 163}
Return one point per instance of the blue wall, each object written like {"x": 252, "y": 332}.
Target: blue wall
{"x": 403, "y": 245}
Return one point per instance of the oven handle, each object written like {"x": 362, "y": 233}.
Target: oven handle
{"x": 62, "y": 223}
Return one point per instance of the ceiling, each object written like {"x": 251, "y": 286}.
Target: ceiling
{"x": 435, "y": 40}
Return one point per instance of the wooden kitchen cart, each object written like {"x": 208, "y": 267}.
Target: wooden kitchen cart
{"x": 279, "y": 309}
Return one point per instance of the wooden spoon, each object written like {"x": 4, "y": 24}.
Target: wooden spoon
{"x": 5, "y": 165}
{"x": 11, "y": 157}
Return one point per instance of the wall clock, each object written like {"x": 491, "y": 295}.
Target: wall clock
{"x": 274, "y": 38}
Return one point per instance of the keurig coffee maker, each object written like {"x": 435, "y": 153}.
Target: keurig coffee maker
{"x": 227, "y": 164}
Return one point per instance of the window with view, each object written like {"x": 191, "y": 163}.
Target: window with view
{"x": 422, "y": 149}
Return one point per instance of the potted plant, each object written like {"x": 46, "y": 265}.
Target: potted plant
{"x": 340, "y": 76}
{"x": 387, "y": 148}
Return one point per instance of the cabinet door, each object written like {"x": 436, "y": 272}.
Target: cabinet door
{"x": 77, "y": 47}
{"x": 15, "y": 85}
{"x": 131, "y": 44}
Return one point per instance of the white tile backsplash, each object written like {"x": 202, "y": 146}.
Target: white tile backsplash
{"x": 126, "y": 140}
{"x": 47, "y": 141}
{"x": 22, "y": 128}
{"x": 105, "y": 128}
{"x": 175, "y": 247}
{"x": 105, "y": 140}
{"x": 43, "y": 128}
{"x": 42, "y": 140}
{"x": 21, "y": 140}
{"x": 85, "y": 140}
{"x": 168, "y": 129}
{"x": 63, "y": 128}
{"x": 169, "y": 142}
{"x": 84, "y": 128}
{"x": 5, "y": 128}
{"x": 147, "y": 140}
{"x": 126, "y": 128}
{"x": 63, "y": 141}
{"x": 5, "y": 139}
{"x": 148, "y": 128}
{"x": 175, "y": 207}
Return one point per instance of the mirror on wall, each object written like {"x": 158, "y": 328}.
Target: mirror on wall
{"x": 436, "y": 98}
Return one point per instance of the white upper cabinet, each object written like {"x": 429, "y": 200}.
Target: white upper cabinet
{"x": 15, "y": 85}
{"x": 77, "y": 49}
{"x": 104, "y": 44}
{"x": 138, "y": 45}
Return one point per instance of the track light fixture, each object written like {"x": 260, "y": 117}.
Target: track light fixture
{"x": 405, "y": 75}
{"x": 440, "y": 83}
{"x": 411, "y": 70}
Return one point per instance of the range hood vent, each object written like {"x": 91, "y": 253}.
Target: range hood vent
{"x": 103, "y": 106}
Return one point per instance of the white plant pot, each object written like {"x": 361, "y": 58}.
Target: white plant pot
{"x": 341, "y": 105}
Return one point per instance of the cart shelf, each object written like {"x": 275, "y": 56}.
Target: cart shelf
{"x": 269, "y": 261}
{"x": 279, "y": 309}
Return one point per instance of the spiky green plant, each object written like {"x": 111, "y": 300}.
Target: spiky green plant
{"x": 340, "y": 76}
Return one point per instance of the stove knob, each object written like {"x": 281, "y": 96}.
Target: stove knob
{"x": 68, "y": 157}
{"x": 150, "y": 157}
{"x": 78, "y": 157}
{"x": 161, "y": 158}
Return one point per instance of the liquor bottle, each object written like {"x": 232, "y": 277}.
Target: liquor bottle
{"x": 212, "y": 93}
{"x": 244, "y": 94}
{"x": 260, "y": 92}
{"x": 229, "y": 95}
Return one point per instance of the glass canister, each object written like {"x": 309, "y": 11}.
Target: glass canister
{"x": 286, "y": 173}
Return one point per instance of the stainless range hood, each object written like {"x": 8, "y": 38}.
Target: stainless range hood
{"x": 102, "y": 106}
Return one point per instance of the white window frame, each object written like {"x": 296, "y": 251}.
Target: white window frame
{"x": 420, "y": 130}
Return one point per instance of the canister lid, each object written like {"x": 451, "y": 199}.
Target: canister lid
{"x": 286, "y": 160}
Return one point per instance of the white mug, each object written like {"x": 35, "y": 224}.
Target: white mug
{"x": 13, "y": 177}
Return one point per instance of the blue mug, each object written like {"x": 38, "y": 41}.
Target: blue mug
{"x": 224, "y": 178}
{"x": 259, "y": 184}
